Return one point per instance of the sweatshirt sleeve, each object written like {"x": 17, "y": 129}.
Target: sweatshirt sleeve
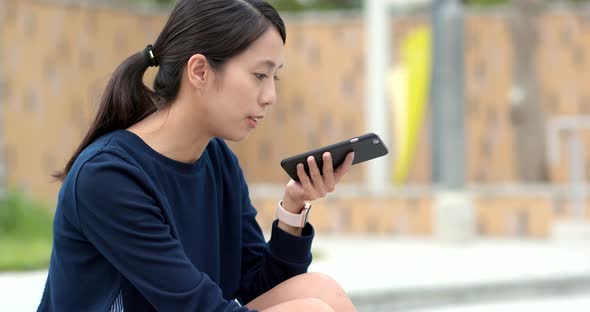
{"x": 122, "y": 220}
{"x": 265, "y": 265}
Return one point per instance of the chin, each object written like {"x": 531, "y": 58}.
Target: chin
{"x": 236, "y": 137}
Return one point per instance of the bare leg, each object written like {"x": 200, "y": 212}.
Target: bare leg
{"x": 298, "y": 305}
{"x": 298, "y": 291}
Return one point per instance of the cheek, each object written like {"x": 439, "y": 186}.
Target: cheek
{"x": 244, "y": 92}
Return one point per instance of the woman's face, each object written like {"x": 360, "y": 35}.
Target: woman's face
{"x": 242, "y": 91}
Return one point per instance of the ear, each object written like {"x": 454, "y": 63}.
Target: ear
{"x": 198, "y": 71}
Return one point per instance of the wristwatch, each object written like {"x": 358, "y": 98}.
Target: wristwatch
{"x": 289, "y": 218}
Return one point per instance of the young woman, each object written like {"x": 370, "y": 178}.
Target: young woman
{"x": 154, "y": 212}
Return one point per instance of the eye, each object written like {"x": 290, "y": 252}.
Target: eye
{"x": 260, "y": 76}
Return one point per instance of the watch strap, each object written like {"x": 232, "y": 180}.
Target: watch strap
{"x": 292, "y": 219}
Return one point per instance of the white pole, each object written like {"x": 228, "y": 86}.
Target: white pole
{"x": 377, "y": 60}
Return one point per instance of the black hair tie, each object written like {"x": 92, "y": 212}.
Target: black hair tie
{"x": 148, "y": 54}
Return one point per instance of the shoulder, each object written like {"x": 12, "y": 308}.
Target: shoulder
{"x": 107, "y": 172}
{"x": 100, "y": 177}
{"x": 102, "y": 165}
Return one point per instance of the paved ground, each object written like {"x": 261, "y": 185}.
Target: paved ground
{"x": 423, "y": 275}
{"x": 381, "y": 273}
{"x": 21, "y": 291}
{"x": 364, "y": 264}
{"x": 577, "y": 303}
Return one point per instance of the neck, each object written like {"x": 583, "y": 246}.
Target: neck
{"x": 173, "y": 133}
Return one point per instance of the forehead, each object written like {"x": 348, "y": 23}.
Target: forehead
{"x": 267, "y": 49}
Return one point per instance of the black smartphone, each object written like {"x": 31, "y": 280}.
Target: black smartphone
{"x": 366, "y": 147}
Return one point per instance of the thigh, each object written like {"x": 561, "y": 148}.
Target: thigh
{"x": 308, "y": 285}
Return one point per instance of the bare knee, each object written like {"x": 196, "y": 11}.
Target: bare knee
{"x": 303, "y": 304}
{"x": 316, "y": 305}
{"x": 328, "y": 290}
{"x": 321, "y": 277}
{"x": 325, "y": 290}
{"x": 324, "y": 281}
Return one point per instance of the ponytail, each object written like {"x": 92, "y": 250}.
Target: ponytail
{"x": 125, "y": 101}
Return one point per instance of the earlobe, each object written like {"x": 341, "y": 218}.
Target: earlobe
{"x": 198, "y": 70}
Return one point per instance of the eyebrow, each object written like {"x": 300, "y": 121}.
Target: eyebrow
{"x": 270, "y": 64}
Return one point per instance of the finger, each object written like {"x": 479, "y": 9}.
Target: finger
{"x": 344, "y": 167}
{"x": 328, "y": 171}
{"x": 305, "y": 182}
{"x": 316, "y": 177}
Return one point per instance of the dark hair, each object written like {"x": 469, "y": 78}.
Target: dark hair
{"x": 218, "y": 29}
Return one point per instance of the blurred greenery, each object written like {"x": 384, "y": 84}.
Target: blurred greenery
{"x": 496, "y": 2}
{"x": 25, "y": 233}
{"x": 485, "y": 2}
{"x": 24, "y": 254}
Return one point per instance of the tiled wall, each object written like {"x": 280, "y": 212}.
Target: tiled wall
{"x": 526, "y": 214}
{"x": 55, "y": 59}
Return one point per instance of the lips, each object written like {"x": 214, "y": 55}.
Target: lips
{"x": 256, "y": 118}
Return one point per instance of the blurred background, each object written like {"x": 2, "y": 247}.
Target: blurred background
{"x": 481, "y": 205}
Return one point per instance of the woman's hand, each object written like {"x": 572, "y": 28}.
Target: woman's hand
{"x": 317, "y": 184}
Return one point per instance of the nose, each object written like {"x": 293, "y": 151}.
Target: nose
{"x": 268, "y": 95}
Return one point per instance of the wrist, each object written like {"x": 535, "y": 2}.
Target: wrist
{"x": 296, "y": 219}
{"x": 293, "y": 205}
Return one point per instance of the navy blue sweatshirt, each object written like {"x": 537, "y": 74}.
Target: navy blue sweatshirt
{"x": 138, "y": 230}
